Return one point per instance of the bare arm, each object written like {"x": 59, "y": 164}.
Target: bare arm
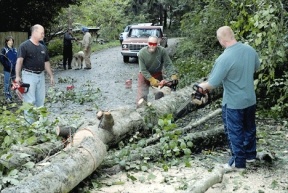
{"x": 19, "y": 64}
{"x": 49, "y": 71}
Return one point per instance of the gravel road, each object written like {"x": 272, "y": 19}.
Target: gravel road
{"x": 108, "y": 74}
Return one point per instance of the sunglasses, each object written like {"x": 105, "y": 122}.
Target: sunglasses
{"x": 152, "y": 44}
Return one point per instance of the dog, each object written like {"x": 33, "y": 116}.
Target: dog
{"x": 77, "y": 60}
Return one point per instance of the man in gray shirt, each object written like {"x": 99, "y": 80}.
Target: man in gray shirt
{"x": 234, "y": 69}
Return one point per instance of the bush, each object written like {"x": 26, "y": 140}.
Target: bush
{"x": 55, "y": 47}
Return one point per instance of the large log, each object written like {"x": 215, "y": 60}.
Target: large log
{"x": 65, "y": 171}
{"x": 68, "y": 168}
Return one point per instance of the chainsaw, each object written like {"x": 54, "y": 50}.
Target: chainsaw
{"x": 164, "y": 88}
{"x": 22, "y": 87}
{"x": 171, "y": 84}
{"x": 201, "y": 96}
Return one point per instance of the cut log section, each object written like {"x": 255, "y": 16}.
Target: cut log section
{"x": 99, "y": 115}
{"x": 107, "y": 121}
{"x": 65, "y": 131}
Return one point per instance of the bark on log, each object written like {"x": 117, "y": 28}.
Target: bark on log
{"x": 68, "y": 169}
{"x": 34, "y": 153}
{"x": 63, "y": 172}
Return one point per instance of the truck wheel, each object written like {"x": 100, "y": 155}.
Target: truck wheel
{"x": 126, "y": 59}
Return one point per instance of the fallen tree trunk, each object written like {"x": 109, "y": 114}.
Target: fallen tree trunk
{"x": 66, "y": 169}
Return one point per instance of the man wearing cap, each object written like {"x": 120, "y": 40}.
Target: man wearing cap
{"x": 86, "y": 44}
{"x": 67, "y": 48}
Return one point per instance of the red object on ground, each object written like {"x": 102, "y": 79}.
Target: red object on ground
{"x": 128, "y": 83}
{"x": 70, "y": 87}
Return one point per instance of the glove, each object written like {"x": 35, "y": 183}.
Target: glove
{"x": 154, "y": 82}
{"x": 174, "y": 79}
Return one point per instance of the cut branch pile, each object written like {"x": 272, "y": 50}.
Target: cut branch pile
{"x": 87, "y": 150}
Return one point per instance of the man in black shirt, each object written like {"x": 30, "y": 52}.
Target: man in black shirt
{"x": 33, "y": 59}
{"x": 67, "y": 48}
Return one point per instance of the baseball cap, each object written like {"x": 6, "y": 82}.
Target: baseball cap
{"x": 85, "y": 29}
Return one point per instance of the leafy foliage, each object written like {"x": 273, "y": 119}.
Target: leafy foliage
{"x": 21, "y": 15}
{"x": 262, "y": 24}
{"x": 15, "y": 130}
{"x": 55, "y": 47}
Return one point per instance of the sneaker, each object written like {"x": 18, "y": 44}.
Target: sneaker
{"x": 250, "y": 160}
{"x": 232, "y": 168}
{"x": 9, "y": 100}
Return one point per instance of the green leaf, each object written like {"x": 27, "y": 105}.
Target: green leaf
{"x": 183, "y": 145}
{"x": 29, "y": 165}
{"x": 189, "y": 144}
{"x": 13, "y": 172}
{"x": 151, "y": 176}
{"x": 7, "y": 140}
{"x": 23, "y": 155}
{"x": 187, "y": 151}
{"x": 131, "y": 177}
{"x": 122, "y": 163}
{"x": 144, "y": 168}
{"x": 161, "y": 122}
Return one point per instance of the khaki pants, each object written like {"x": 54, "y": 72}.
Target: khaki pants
{"x": 87, "y": 55}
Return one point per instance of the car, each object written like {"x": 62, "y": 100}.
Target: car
{"x": 137, "y": 38}
{"x": 123, "y": 35}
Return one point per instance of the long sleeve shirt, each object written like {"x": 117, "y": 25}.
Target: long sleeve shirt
{"x": 8, "y": 58}
{"x": 158, "y": 61}
{"x": 87, "y": 40}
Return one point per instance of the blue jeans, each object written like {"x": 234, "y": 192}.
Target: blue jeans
{"x": 240, "y": 128}
{"x": 7, "y": 84}
{"x": 36, "y": 93}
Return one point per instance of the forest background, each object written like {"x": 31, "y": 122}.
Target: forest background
{"x": 260, "y": 23}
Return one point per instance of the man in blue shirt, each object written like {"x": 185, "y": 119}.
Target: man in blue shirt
{"x": 234, "y": 69}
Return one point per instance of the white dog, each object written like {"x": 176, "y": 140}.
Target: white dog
{"x": 78, "y": 59}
